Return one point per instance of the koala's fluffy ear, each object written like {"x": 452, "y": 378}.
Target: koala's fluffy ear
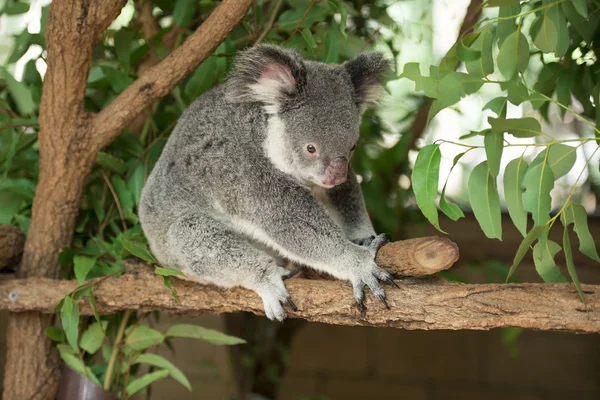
{"x": 266, "y": 74}
{"x": 367, "y": 71}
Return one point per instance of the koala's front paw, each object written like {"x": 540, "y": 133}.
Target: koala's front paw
{"x": 370, "y": 275}
{"x": 373, "y": 243}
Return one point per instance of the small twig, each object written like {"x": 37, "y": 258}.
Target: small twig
{"x": 312, "y": 3}
{"x": 115, "y": 350}
{"x": 270, "y": 22}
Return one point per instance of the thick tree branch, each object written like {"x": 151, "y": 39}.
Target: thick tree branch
{"x": 417, "y": 304}
{"x": 160, "y": 79}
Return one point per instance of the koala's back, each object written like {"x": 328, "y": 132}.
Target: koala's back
{"x": 210, "y": 149}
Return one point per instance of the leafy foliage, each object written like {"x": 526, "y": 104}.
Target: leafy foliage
{"x": 541, "y": 55}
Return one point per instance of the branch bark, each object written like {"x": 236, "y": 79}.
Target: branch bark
{"x": 160, "y": 79}
{"x": 69, "y": 140}
{"x": 426, "y": 304}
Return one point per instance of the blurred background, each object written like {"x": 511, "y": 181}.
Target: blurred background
{"x": 300, "y": 360}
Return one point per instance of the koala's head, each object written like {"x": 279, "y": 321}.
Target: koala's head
{"x": 314, "y": 108}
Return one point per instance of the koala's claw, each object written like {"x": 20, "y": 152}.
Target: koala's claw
{"x": 291, "y": 304}
{"x": 374, "y": 243}
{"x": 360, "y": 306}
{"x": 391, "y": 282}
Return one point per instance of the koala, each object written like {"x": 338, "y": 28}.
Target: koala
{"x": 257, "y": 171}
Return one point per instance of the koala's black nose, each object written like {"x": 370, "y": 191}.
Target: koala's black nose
{"x": 337, "y": 172}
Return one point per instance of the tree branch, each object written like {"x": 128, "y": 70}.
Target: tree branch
{"x": 11, "y": 245}
{"x": 418, "y": 304}
{"x": 160, "y": 79}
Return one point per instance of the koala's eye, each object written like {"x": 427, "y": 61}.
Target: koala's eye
{"x": 311, "y": 149}
{"x": 353, "y": 147}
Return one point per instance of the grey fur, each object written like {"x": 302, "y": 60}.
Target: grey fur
{"x": 235, "y": 190}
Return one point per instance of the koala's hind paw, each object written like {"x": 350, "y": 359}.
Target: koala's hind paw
{"x": 274, "y": 297}
{"x": 371, "y": 277}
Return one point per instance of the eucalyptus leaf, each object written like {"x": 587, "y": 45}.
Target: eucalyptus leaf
{"x": 518, "y": 127}
{"x": 93, "y": 337}
{"x": 570, "y": 264}
{"x": 139, "y": 250}
{"x": 543, "y": 258}
{"x": 538, "y": 182}
{"x": 556, "y": 15}
{"x": 559, "y": 157}
{"x": 506, "y": 25}
{"x": 142, "y": 337}
{"x": 547, "y": 35}
{"x": 111, "y": 162}
{"x": 82, "y": 266}
{"x": 498, "y": 106}
{"x": 161, "y": 362}
{"x": 69, "y": 317}
{"x": 451, "y": 210}
{"x": 138, "y": 384}
{"x": 514, "y": 55}
{"x": 513, "y": 193}
{"x": 198, "y": 332}
{"x": 575, "y": 214}
{"x": 425, "y": 178}
{"x": 494, "y": 145}
{"x": 485, "y": 202}
{"x": 531, "y": 237}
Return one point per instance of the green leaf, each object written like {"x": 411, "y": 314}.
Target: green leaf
{"x": 501, "y": 3}
{"x": 518, "y": 127}
{"x": 452, "y": 87}
{"x": 513, "y": 193}
{"x": 451, "y": 210}
{"x": 169, "y": 285}
{"x": 198, "y": 332}
{"x": 517, "y": 92}
{"x": 524, "y": 246}
{"x": 93, "y": 337}
{"x": 556, "y": 15}
{"x": 506, "y": 25}
{"x": 123, "y": 46}
{"x": 485, "y": 64}
{"x": 15, "y": 8}
{"x": 538, "y": 182}
{"x": 184, "y": 12}
{"x": 425, "y": 178}
{"x": 111, "y": 162}
{"x": 139, "y": 250}
{"x": 161, "y": 362}
{"x": 332, "y": 47}
{"x": 83, "y": 265}
{"x": 514, "y": 55}
{"x": 136, "y": 181}
{"x": 168, "y": 271}
{"x": 426, "y": 84}
{"x": 582, "y": 26}
{"x": 141, "y": 337}
{"x": 575, "y": 213}
{"x": 289, "y": 20}
{"x": 55, "y": 334}
{"x": 560, "y": 158}
{"x": 485, "y": 202}
{"x": 498, "y": 106}
{"x": 69, "y": 317}
{"x": 547, "y": 35}
{"x": 570, "y": 264}
{"x": 308, "y": 38}
{"x": 465, "y": 53}
{"x": 139, "y": 383}
{"x": 341, "y": 8}
{"x": 543, "y": 258}
{"x": 20, "y": 93}
{"x": 582, "y": 7}
{"x": 125, "y": 198}
{"x": 24, "y": 188}
{"x": 494, "y": 145}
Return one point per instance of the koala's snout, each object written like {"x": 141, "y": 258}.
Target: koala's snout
{"x": 337, "y": 172}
